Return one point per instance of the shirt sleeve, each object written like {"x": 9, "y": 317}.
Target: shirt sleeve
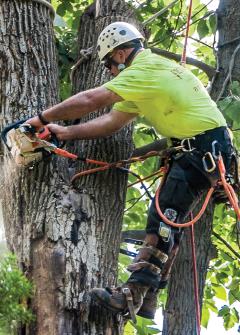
{"x": 126, "y": 107}
{"x": 132, "y": 84}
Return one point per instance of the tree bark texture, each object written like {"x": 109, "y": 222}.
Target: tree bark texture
{"x": 179, "y": 315}
{"x": 30, "y": 206}
{"x": 66, "y": 238}
{"x": 100, "y": 196}
{"x": 228, "y": 65}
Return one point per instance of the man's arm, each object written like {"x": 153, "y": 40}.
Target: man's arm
{"x": 102, "y": 126}
{"x": 78, "y": 105}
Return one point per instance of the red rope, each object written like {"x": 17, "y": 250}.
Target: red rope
{"x": 185, "y": 224}
{"x": 183, "y": 58}
{"x": 195, "y": 278}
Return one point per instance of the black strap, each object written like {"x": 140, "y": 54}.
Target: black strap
{"x": 132, "y": 54}
{"x": 42, "y": 119}
{"x": 128, "y": 253}
{"x": 133, "y": 241}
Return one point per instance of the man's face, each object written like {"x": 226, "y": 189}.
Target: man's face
{"x": 112, "y": 61}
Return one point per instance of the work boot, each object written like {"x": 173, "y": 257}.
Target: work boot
{"x": 125, "y": 299}
{"x": 150, "y": 302}
{"x": 149, "y": 305}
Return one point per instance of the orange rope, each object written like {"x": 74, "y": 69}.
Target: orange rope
{"x": 145, "y": 178}
{"x": 186, "y": 224}
{"x": 105, "y": 166}
{"x": 184, "y": 53}
{"x": 227, "y": 187}
{"x": 195, "y": 279}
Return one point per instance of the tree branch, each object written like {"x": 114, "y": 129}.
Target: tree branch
{"x": 135, "y": 234}
{"x": 229, "y": 75}
{"x": 162, "y": 11}
{"x": 158, "y": 145}
{"x": 209, "y": 70}
{"x": 226, "y": 244}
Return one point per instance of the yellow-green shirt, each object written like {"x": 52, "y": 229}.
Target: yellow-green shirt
{"x": 168, "y": 95}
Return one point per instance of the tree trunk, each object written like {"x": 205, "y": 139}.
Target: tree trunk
{"x": 228, "y": 25}
{"x": 29, "y": 84}
{"x": 102, "y": 195}
{"x": 179, "y": 315}
{"x": 66, "y": 238}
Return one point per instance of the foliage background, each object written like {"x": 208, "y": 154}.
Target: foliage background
{"x": 15, "y": 290}
{"x": 167, "y": 32}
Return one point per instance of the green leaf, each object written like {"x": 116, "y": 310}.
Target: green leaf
{"x": 205, "y": 316}
{"x": 225, "y": 310}
{"x": 129, "y": 329}
{"x": 211, "y": 306}
{"x": 135, "y": 217}
{"x": 213, "y": 23}
{"x": 61, "y": 9}
{"x": 202, "y": 29}
{"x": 220, "y": 292}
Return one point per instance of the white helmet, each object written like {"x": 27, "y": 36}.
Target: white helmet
{"x": 114, "y": 35}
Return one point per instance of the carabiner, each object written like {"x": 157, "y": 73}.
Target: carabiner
{"x": 215, "y": 151}
{"x": 209, "y": 156}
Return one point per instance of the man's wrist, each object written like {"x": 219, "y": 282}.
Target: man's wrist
{"x": 42, "y": 119}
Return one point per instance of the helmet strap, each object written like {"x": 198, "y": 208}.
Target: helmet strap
{"x": 132, "y": 54}
{"x": 122, "y": 66}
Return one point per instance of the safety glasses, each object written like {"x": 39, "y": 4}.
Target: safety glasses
{"x": 108, "y": 61}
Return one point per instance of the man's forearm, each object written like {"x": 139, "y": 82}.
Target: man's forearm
{"x": 99, "y": 127}
{"x": 72, "y": 108}
{"x": 76, "y": 106}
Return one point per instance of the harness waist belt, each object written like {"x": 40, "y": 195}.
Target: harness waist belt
{"x": 203, "y": 141}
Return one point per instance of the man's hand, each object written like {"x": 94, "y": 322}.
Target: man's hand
{"x": 62, "y": 133}
{"x": 102, "y": 126}
{"x": 35, "y": 122}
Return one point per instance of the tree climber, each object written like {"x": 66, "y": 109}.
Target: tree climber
{"x": 175, "y": 102}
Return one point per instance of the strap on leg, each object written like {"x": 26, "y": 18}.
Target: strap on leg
{"x": 126, "y": 291}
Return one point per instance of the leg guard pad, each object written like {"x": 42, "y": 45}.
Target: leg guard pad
{"x": 146, "y": 277}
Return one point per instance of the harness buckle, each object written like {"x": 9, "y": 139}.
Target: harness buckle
{"x": 208, "y": 158}
{"x": 186, "y": 144}
{"x": 164, "y": 232}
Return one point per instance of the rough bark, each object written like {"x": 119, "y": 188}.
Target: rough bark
{"x": 106, "y": 190}
{"x": 179, "y": 315}
{"x": 228, "y": 25}
{"x": 29, "y": 84}
{"x": 66, "y": 239}
{"x": 101, "y": 195}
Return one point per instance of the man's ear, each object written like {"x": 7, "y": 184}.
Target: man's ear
{"x": 122, "y": 54}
